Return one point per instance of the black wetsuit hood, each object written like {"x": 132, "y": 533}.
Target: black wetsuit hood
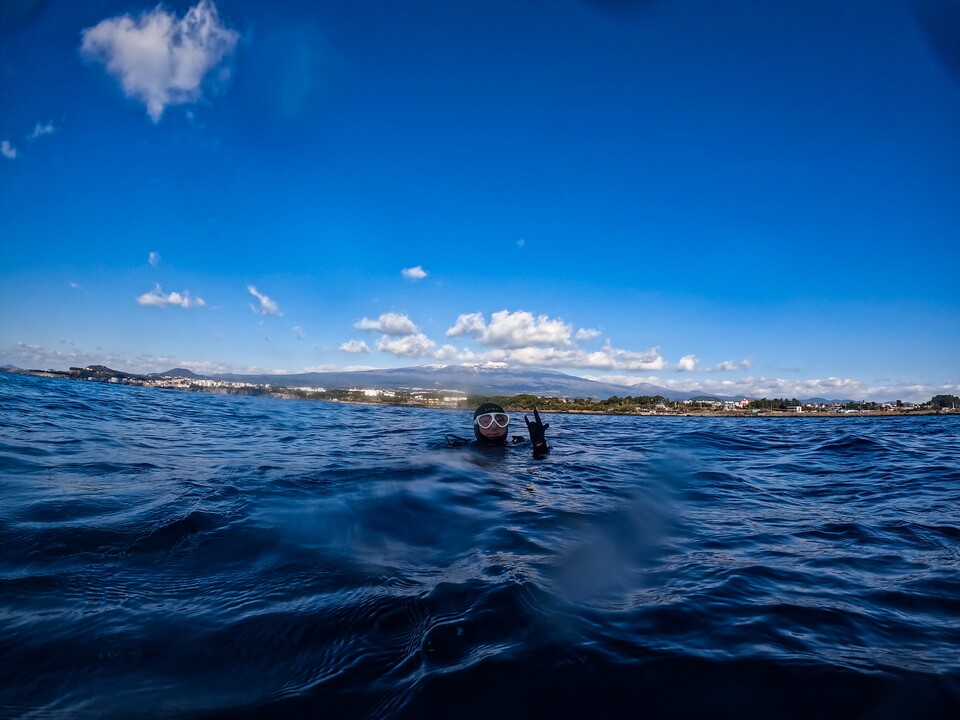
{"x": 488, "y": 408}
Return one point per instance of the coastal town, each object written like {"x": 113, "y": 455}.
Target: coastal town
{"x": 456, "y": 399}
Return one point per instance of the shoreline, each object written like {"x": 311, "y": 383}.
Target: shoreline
{"x": 283, "y": 393}
{"x": 749, "y": 414}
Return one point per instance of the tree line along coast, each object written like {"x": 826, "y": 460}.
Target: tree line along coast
{"x": 523, "y": 402}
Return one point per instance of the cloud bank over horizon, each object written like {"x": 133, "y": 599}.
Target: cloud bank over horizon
{"x": 517, "y": 337}
{"x": 520, "y": 338}
{"x": 34, "y": 356}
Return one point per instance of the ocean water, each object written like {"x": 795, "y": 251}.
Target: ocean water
{"x": 166, "y": 554}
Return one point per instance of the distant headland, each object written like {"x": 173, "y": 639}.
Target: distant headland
{"x": 351, "y": 387}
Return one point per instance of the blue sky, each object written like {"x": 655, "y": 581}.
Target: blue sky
{"x": 743, "y": 197}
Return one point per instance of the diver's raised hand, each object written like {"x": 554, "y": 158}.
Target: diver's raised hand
{"x": 537, "y": 431}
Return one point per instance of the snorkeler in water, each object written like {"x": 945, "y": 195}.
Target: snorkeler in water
{"x": 490, "y": 426}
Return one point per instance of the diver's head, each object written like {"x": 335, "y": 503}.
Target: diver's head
{"x": 490, "y": 424}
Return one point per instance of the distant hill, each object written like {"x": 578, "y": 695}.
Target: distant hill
{"x": 178, "y": 372}
{"x": 102, "y": 371}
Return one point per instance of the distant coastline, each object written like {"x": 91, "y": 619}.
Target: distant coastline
{"x": 453, "y": 399}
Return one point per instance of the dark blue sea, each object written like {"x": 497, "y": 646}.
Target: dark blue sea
{"x": 166, "y": 554}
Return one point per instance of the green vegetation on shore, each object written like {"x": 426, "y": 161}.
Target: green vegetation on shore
{"x": 657, "y": 404}
{"x": 613, "y": 405}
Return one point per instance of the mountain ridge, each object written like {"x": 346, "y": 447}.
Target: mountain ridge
{"x": 470, "y": 379}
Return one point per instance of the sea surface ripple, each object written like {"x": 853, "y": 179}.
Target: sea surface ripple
{"x": 166, "y": 554}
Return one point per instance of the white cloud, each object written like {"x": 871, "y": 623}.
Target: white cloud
{"x": 8, "y": 150}
{"x": 157, "y": 298}
{"x": 538, "y": 356}
{"x": 298, "y": 332}
{"x": 414, "y": 273}
{"x": 390, "y": 323}
{"x": 153, "y": 258}
{"x": 521, "y": 338}
{"x": 447, "y": 352}
{"x": 609, "y": 358}
{"x": 468, "y": 324}
{"x": 750, "y": 387}
{"x": 688, "y": 363}
{"x": 159, "y": 59}
{"x": 512, "y": 329}
{"x": 632, "y": 360}
{"x": 731, "y": 365}
{"x": 42, "y": 129}
{"x": 725, "y": 366}
{"x": 38, "y": 357}
{"x": 521, "y": 242}
{"x": 418, "y": 345}
{"x": 32, "y": 356}
{"x": 28, "y": 355}
{"x": 203, "y": 367}
{"x": 832, "y": 388}
{"x": 625, "y": 380}
{"x": 267, "y": 305}
{"x": 355, "y": 346}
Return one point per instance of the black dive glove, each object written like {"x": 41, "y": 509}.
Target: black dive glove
{"x": 537, "y": 432}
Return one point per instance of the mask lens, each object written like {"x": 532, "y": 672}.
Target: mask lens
{"x": 487, "y": 420}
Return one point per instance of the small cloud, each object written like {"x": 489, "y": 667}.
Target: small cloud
{"x": 8, "y": 150}
{"x": 731, "y": 365}
{"x": 298, "y": 332}
{"x": 390, "y": 323}
{"x": 42, "y": 129}
{"x": 157, "y": 298}
{"x": 267, "y": 305}
{"x": 75, "y": 286}
{"x": 414, "y": 273}
{"x": 584, "y": 334}
{"x": 355, "y": 346}
{"x": 158, "y": 58}
{"x": 688, "y": 363}
{"x": 521, "y": 242}
{"x": 153, "y": 258}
